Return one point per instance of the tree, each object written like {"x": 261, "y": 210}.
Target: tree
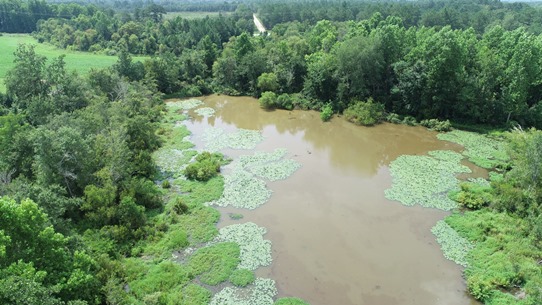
{"x": 268, "y": 82}
{"x": 32, "y": 249}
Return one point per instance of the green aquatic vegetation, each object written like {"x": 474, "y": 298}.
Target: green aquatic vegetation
{"x": 183, "y": 105}
{"x": 446, "y": 155}
{"x": 217, "y": 139}
{"x": 261, "y": 293}
{"x": 504, "y": 258}
{"x": 214, "y": 264}
{"x": 243, "y": 190}
{"x": 290, "y": 301}
{"x": 205, "y": 111}
{"x": 277, "y": 170}
{"x": 426, "y": 180}
{"x": 454, "y": 247}
{"x": 260, "y": 157}
{"x": 171, "y": 240}
{"x": 171, "y": 161}
{"x": 161, "y": 277}
{"x": 191, "y": 294}
{"x": 474, "y": 194}
{"x": 481, "y": 150}
{"x": 200, "y": 222}
{"x": 196, "y": 193}
{"x": 235, "y": 216}
{"x": 255, "y": 251}
{"x": 242, "y": 277}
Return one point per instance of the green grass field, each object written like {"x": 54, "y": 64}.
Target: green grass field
{"x": 194, "y": 15}
{"x": 80, "y": 61}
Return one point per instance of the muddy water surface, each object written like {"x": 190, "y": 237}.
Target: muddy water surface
{"x": 336, "y": 239}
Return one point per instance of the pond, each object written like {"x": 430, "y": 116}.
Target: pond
{"x": 336, "y": 238}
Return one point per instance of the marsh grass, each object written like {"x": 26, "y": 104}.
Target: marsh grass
{"x": 290, "y": 301}
{"x": 242, "y": 277}
{"x": 214, "y": 264}
{"x": 504, "y": 258}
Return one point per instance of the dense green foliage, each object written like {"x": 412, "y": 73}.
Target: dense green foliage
{"x": 506, "y": 228}
{"x": 364, "y": 113}
{"x": 205, "y": 167}
{"x": 82, "y": 221}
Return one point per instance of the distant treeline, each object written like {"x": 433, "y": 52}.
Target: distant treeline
{"x": 490, "y": 75}
{"x": 458, "y": 14}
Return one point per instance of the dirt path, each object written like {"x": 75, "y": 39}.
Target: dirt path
{"x": 259, "y": 24}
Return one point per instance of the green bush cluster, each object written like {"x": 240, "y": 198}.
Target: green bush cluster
{"x": 326, "y": 113}
{"x": 364, "y": 113}
{"x": 270, "y": 100}
{"x": 207, "y": 165}
{"x": 473, "y": 196}
{"x": 437, "y": 125}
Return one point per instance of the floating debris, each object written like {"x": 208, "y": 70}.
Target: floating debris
{"x": 454, "y": 247}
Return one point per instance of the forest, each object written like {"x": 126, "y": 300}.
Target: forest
{"x": 80, "y": 200}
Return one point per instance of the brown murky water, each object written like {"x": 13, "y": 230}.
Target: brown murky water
{"x": 336, "y": 239}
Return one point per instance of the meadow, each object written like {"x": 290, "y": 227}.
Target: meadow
{"x": 80, "y": 61}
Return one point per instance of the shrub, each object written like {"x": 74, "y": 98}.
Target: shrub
{"x": 285, "y": 101}
{"x": 364, "y": 113}
{"x": 473, "y": 196}
{"x": 242, "y": 277}
{"x": 179, "y": 206}
{"x": 437, "y": 125}
{"x": 327, "y": 113}
{"x": 300, "y": 102}
{"x": 268, "y": 100}
{"x": 394, "y": 118}
{"x": 409, "y": 120}
{"x": 207, "y": 165}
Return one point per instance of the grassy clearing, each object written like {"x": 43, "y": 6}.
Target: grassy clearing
{"x": 82, "y": 62}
